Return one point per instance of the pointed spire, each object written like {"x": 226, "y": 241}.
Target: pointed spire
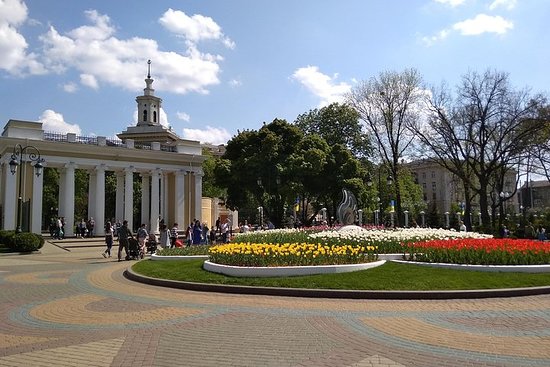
{"x": 148, "y": 69}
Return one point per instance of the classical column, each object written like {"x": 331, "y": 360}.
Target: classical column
{"x": 119, "y": 201}
{"x": 99, "y": 215}
{"x": 155, "y": 210}
{"x": 129, "y": 196}
{"x": 179, "y": 199}
{"x": 92, "y": 193}
{"x": 198, "y": 195}
{"x": 10, "y": 198}
{"x": 188, "y": 197}
{"x": 36, "y": 203}
{"x": 164, "y": 196}
{"x": 145, "y": 198}
{"x": 61, "y": 200}
{"x": 67, "y": 210}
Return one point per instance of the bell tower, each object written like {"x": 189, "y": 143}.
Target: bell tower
{"x": 148, "y": 105}
{"x": 148, "y": 128}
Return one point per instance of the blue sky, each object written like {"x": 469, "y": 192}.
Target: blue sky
{"x": 222, "y": 66}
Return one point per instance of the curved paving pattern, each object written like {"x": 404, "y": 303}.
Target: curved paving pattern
{"x": 77, "y": 309}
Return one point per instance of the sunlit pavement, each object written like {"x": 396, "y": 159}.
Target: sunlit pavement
{"x": 61, "y": 308}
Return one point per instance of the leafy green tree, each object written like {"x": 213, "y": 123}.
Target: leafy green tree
{"x": 209, "y": 185}
{"x": 337, "y": 124}
{"x": 275, "y": 165}
{"x": 254, "y": 169}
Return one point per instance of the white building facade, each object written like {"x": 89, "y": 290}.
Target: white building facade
{"x": 169, "y": 171}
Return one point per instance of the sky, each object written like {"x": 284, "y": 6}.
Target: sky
{"x": 226, "y": 66}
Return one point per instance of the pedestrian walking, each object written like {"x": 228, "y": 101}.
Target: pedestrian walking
{"x": 109, "y": 232}
{"x": 123, "y": 234}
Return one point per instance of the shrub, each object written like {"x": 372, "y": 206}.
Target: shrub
{"x": 22, "y": 242}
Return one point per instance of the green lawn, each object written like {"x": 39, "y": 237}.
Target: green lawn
{"x": 390, "y": 276}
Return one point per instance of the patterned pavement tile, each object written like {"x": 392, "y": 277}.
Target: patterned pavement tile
{"x": 76, "y": 309}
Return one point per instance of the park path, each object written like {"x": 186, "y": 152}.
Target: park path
{"x": 75, "y": 308}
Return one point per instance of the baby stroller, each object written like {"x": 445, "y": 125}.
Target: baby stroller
{"x": 134, "y": 252}
{"x": 152, "y": 243}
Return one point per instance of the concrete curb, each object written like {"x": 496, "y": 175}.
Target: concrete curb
{"x": 486, "y": 268}
{"x": 286, "y": 271}
{"x": 336, "y": 293}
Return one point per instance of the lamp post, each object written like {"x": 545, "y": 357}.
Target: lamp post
{"x": 360, "y": 215}
{"x": 379, "y": 211}
{"x": 447, "y": 225}
{"x": 423, "y": 215}
{"x": 406, "y": 212}
{"x": 18, "y": 159}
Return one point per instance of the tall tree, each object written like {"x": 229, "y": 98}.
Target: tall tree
{"x": 255, "y": 167}
{"x": 481, "y": 133}
{"x": 337, "y": 124}
{"x": 388, "y": 104}
{"x": 209, "y": 186}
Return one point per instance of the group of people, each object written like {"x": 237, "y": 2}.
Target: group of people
{"x": 57, "y": 228}
{"x": 124, "y": 235}
{"x": 85, "y": 228}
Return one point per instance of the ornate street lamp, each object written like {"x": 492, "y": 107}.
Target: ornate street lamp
{"x": 18, "y": 158}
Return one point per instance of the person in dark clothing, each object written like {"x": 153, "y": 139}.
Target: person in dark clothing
{"x": 123, "y": 234}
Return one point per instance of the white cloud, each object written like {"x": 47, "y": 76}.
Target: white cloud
{"x": 321, "y": 85}
{"x": 99, "y": 31}
{"x": 452, "y": 3}
{"x": 89, "y": 81}
{"x": 439, "y": 36}
{"x": 506, "y": 4}
{"x": 13, "y": 46}
{"x": 183, "y": 116}
{"x": 211, "y": 135}
{"x": 483, "y": 23}
{"x": 13, "y": 12}
{"x": 70, "y": 87}
{"x": 102, "y": 58}
{"x": 235, "y": 83}
{"x": 54, "y": 121}
{"x": 194, "y": 28}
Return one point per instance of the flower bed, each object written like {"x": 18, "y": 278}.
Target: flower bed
{"x": 480, "y": 251}
{"x": 386, "y": 241}
{"x": 290, "y": 254}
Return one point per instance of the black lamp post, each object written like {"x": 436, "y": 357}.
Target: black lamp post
{"x": 18, "y": 159}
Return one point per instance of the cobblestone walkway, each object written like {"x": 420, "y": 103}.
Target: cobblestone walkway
{"x": 76, "y": 309}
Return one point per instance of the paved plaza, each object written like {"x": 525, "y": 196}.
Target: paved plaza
{"x": 75, "y": 308}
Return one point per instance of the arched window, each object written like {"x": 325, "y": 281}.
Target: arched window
{"x": 145, "y": 115}
{"x": 154, "y": 116}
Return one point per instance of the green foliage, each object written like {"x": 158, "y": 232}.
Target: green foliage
{"x": 184, "y": 251}
{"x": 210, "y": 188}
{"x": 337, "y": 124}
{"x": 21, "y": 242}
{"x": 50, "y": 193}
{"x": 277, "y": 236}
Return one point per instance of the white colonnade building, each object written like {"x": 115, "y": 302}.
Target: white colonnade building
{"x": 169, "y": 171}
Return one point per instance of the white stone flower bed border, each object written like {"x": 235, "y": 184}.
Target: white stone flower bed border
{"x": 491, "y": 268}
{"x": 286, "y": 271}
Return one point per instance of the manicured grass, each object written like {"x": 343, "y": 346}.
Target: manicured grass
{"x": 390, "y": 276}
